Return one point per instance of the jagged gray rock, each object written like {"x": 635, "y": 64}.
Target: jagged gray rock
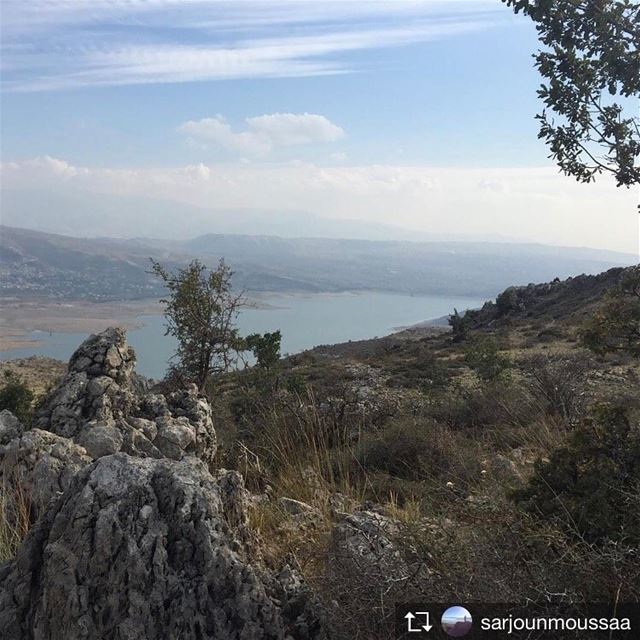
{"x": 41, "y": 465}
{"x": 10, "y": 426}
{"x": 364, "y": 541}
{"x": 143, "y": 548}
{"x": 104, "y": 406}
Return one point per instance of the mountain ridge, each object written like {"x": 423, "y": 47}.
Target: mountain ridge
{"x": 54, "y": 266}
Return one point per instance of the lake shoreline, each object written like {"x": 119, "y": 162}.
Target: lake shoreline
{"x": 20, "y": 318}
{"x": 56, "y": 329}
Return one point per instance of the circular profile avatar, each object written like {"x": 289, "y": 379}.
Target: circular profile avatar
{"x": 456, "y": 622}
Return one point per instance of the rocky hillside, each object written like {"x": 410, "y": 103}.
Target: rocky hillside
{"x": 307, "y": 500}
{"x": 565, "y": 300}
{"x": 134, "y": 533}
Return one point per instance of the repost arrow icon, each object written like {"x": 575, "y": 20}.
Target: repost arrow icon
{"x": 410, "y": 617}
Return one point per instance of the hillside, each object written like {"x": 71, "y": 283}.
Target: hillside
{"x": 499, "y": 468}
{"x": 40, "y": 265}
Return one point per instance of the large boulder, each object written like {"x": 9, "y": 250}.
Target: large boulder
{"x": 145, "y": 548}
{"x": 10, "y": 426}
{"x": 36, "y": 466}
{"x": 105, "y": 407}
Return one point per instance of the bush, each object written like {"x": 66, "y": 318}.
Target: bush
{"x": 493, "y": 404}
{"x": 590, "y": 486}
{"x": 460, "y": 325}
{"x": 484, "y": 357}
{"x": 16, "y": 397}
{"x": 559, "y": 383}
{"x": 426, "y": 372}
{"x": 411, "y": 454}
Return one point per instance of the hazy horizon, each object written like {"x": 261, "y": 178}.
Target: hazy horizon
{"x": 343, "y": 117}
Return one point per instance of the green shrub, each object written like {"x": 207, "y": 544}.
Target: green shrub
{"x": 590, "y": 486}
{"x": 484, "y": 357}
{"x": 16, "y": 396}
{"x": 460, "y": 325}
{"x": 418, "y": 451}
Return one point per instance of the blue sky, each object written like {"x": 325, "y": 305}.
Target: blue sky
{"x": 113, "y": 97}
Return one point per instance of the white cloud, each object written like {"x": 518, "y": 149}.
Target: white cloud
{"x": 263, "y": 133}
{"x": 67, "y": 43}
{"x": 536, "y": 204}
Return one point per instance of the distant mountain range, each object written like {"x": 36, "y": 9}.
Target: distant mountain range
{"x": 41, "y": 265}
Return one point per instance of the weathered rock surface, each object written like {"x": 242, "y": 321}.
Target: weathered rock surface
{"x": 144, "y": 548}
{"x": 363, "y": 542}
{"x": 10, "y": 426}
{"x": 105, "y": 407}
{"x": 40, "y": 465}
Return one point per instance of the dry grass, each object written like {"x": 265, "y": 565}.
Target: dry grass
{"x": 15, "y": 519}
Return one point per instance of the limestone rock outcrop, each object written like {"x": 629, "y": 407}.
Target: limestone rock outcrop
{"x": 39, "y": 465}
{"x": 105, "y": 407}
{"x": 134, "y": 536}
{"x": 143, "y": 548}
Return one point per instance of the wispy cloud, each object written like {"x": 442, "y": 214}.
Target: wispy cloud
{"x": 55, "y": 44}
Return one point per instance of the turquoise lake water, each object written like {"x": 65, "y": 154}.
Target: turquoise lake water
{"x": 304, "y": 320}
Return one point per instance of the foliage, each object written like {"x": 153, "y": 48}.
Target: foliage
{"x": 459, "y": 326}
{"x": 16, "y": 396}
{"x": 591, "y": 55}
{"x": 201, "y": 312}
{"x": 265, "y": 348}
{"x": 559, "y": 383}
{"x": 616, "y": 325}
{"x": 484, "y": 357}
{"x": 590, "y": 486}
{"x": 421, "y": 451}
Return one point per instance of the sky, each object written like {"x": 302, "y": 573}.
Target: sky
{"x": 171, "y": 117}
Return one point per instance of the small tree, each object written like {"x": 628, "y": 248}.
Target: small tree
{"x": 616, "y": 325}
{"x": 265, "y": 348}
{"x": 459, "y": 326}
{"x": 16, "y": 397}
{"x": 201, "y": 313}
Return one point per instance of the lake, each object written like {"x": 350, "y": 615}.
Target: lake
{"x": 304, "y": 320}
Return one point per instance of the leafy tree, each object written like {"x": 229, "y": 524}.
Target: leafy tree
{"x": 16, "y": 396}
{"x": 616, "y": 325}
{"x": 459, "y": 326}
{"x": 484, "y": 357}
{"x": 591, "y": 55}
{"x": 590, "y": 486}
{"x": 201, "y": 312}
{"x": 265, "y": 348}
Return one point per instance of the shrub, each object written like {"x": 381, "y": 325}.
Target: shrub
{"x": 559, "y": 383}
{"x": 484, "y": 357}
{"x": 412, "y": 456}
{"x": 16, "y": 396}
{"x": 460, "y": 325}
{"x": 590, "y": 486}
{"x": 494, "y": 403}
{"x": 426, "y": 372}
